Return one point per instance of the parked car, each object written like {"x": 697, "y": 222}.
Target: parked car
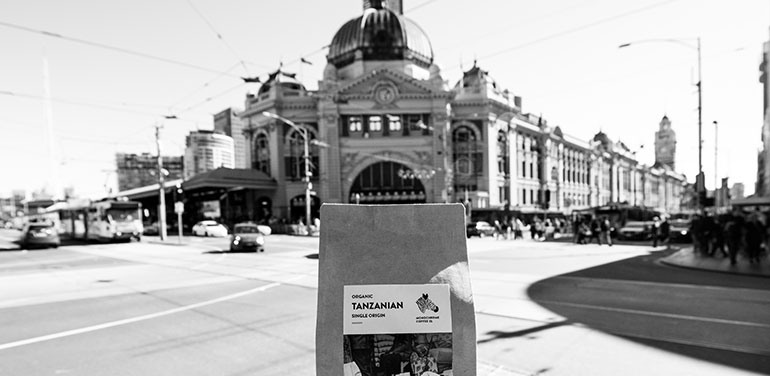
{"x": 151, "y": 229}
{"x": 247, "y": 237}
{"x": 480, "y": 229}
{"x": 209, "y": 228}
{"x": 39, "y": 235}
{"x": 679, "y": 230}
{"x": 635, "y": 230}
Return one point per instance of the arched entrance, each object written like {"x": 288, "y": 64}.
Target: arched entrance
{"x": 387, "y": 183}
{"x": 297, "y": 208}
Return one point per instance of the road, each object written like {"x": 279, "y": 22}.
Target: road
{"x": 542, "y": 308}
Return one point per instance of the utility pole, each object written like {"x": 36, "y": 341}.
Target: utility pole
{"x": 700, "y": 131}
{"x": 309, "y": 185}
{"x": 161, "y": 191}
{"x": 716, "y": 153}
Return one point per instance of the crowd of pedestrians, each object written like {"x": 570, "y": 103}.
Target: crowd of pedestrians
{"x": 540, "y": 229}
{"x": 731, "y": 234}
{"x": 588, "y": 229}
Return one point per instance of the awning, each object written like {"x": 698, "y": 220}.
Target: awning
{"x": 146, "y": 191}
{"x": 751, "y": 201}
{"x": 230, "y": 178}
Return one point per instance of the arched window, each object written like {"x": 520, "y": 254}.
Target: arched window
{"x": 467, "y": 158}
{"x": 295, "y": 155}
{"x": 261, "y": 159}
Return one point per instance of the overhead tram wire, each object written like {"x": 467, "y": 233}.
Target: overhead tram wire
{"x": 201, "y": 87}
{"x": 570, "y": 31}
{"x": 113, "y": 48}
{"x": 74, "y": 102}
{"x": 579, "y": 28}
{"x": 219, "y": 36}
{"x": 418, "y": 6}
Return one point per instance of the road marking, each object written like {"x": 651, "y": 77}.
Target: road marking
{"x": 659, "y": 314}
{"x": 113, "y": 324}
{"x": 205, "y": 264}
{"x": 663, "y": 284}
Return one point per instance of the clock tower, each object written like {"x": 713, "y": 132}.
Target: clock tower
{"x": 665, "y": 144}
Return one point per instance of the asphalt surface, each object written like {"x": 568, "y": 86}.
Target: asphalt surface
{"x": 710, "y": 316}
{"x": 196, "y": 309}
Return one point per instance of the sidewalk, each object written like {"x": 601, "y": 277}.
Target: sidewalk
{"x": 686, "y": 258}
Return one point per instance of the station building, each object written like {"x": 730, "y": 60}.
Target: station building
{"x": 384, "y": 127}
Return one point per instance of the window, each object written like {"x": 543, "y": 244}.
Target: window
{"x": 503, "y": 160}
{"x": 261, "y": 159}
{"x": 523, "y": 196}
{"x": 295, "y": 156}
{"x": 416, "y": 123}
{"x": 394, "y": 123}
{"x": 466, "y": 150}
{"x": 375, "y": 124}
{"x": 355, "y": 124}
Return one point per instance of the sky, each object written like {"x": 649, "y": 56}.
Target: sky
{"x": 100, "y": 75}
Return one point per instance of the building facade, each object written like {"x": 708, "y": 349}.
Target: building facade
{"x": 228, "y": 122}
{"x": 384, "y": 127}
{"x": 762, "y": 187}
{"x": 139, "y": 170}
{"x": 207, "y": 151}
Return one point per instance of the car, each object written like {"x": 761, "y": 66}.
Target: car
{"x": 635, "y": 230}
{"x": 679, "y": 230}
{"x": 39, "y": 235}
{"x": 247, "y": 237}
{"x": 151, "y": 229}
{"x": 209, "y": 228}
{"x": 480, "y": 229}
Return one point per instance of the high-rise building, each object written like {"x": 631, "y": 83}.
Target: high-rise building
{"x": 207, "y": 151}
{"x": 139, "y": 170}
{"x": 665, "y": 144}
{"x": 737, "y": 191}
{"x": 229, "y": 123}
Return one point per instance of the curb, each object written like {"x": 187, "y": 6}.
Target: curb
{"x": 669, "y": 260}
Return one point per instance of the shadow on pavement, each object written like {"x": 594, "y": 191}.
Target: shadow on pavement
{"x": 496, "y": 334}
{"x": 221, "y": 251}
{"x": 588, "y": 308}
{"x": 16, "y": 246}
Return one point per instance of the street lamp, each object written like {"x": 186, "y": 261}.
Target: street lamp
{"x": 306, "y": 157}
{"x": 700, "y": 182}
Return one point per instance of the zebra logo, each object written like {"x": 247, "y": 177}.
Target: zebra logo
{"x": 425, "y": 304}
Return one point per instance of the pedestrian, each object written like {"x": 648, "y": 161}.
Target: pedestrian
{"x": 665, "y": 230}
{"x": 498, "y": 230}
{"x": 576, "y": 233}
{"x": 605, "y": 228}
{"x": 708, "y": 233}
{"x": 596, "y": 230}
{"x": 518, "y": 227}
{"x": 696, "y": 224}
{"x": 655, "y": 231}
{"x": 583, "y": 233}
{"x": 734, "y": 230}
{"x": 718, "y": 235}
{"x": 753, "y": 238}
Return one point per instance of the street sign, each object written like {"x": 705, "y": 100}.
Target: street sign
{"x": 394, "y": 274}
{"x": 179, "y": 207}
